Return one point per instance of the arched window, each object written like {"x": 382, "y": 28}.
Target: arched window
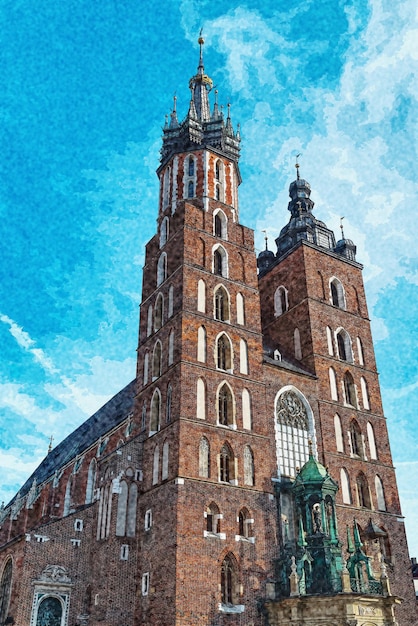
{"x": 105, "y": 511}
{"x": 380, "y": 494}
{"x": 144, "y": 416}
{"x": 220, "y": 223}
{"x": 201, "y": 399}
{"x": 243, "y": 356}
{"x": 5, "y": 590}
{"x": 156, "y": 465}
{"x": 213, "y": 519}
{"x": 171, "y": 347}
{"x": 161, "y": 269}
{"x": 164, "y": 471}
{"x": 201, "y": 296}
{"x": 338, "y": 433}
{"x": 281, "y": 303}
{"x": 49, "y": 612}
{"x": 67, "y": 497}
{"x": 372, "y": 442}
{"x": 246, "y": 410}
{"x": 360, "y": 351}
{"x": 156, "y": 361}
{"x": 337, "y": 293}
{"x": 349, "y": 390}
{"x": 240, "y": 309}
{"x": 191, "y": 166}
{"x": 225, "y": 406}
{"x": 168, "y": 404}
{"x": 122, "y": 509}
{"x": 91, "y": 482}
{"x": 365, "y": 394}
{"x": 333, "y": 384}
{"x": 298, "y": 347}
{"x": 220, "y": 261}
{"x": 218, "y": 166}
{"x": 329, "y": 342}
{"x": 155, "y": 418}
{"x": 248, "y": 466}
{"x": 201, "y": 344}
{"x": 344, "y": 345}
{"x": 149, "y": 321}
{"x": 224, "y": 353}
{"x": 229, "y": 577}
{"x": 363, "y": 492}
{"x": 293, "y": 427}
{"x": 204, "y": 458}
{"x": 166, "y": 187}
{"x": 221, "y": 304}
{"x": 345, "y": 486}
{"x": 218, "y": 192}
{"x": 164, "y": 232}
{"x": 146, "y": 367}
{"x": 131, "y": 516}
{"x": 159, "y": 312}
{"x": 356, "y": 439}
{"x": 190, "y": 189}
{"x": 226, "y": 464}
{"x": 245, "y": 524}
{"x": 170, "y": 301}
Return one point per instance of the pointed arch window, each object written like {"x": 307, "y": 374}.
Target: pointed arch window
{"x": 363, "y": 492}
{"x": 204, "y": 458}
{"x": 243, "y": 356}
{"x": 356, "y": 438}
{"x": 166, "y": 187}
{"x": 169, "y": 404}
{"x": 292, "y": 431}
{"x": 224, "y": 353}
{"x": 345, "y": 486}
{"x": 349, "y": 390}
{"x": 91, "y": 482}
{"x": 333, "y": 384}
{"x": 164, "y": 231}
{"x": 329, "y": 341}
{"x": 201, "y": 344}
{"x": 345, "y": 351}
{"x": 5, "y": 590}
{"x": 225, "y": 406}
{"x": 159, "y": 312}
{"x": 248, "y": 466}
{"x": 226, "y": 464}
{"x": 122, "y": 509}
{"x": 240, "y": 309}
{"x": 380, "y": 494}
{"x": 155, "y": 418}
{"x": 67, "y": 497}
{"x": 338, "y": 433}
{"x": 281, "y": 303}
{"x": 156, "y": 465}
{"x": 191, "y": 166}
{"x": 144, "y": 416}
{"x": 246, "y": 410}
{"x": 171, "y": 348}
{"x": 222, "y": 308}
{"x": 245, "y": 523}
{"x": 161, "y": 269}
{"x": 229, "y": 581}
{"x": 149, "y": 320}
{"x": 360, "y": 351}
{"x": 298, "y": 346}
{"x": 201, "y": 399}
{"x": 156, "y": 361}
{"x": 213, "y": 519}
{"x": 201, "y": 296}
{"x": 372, "y": 442}
{"x": 190, "y": 189}
{"x": 164, "y": 469}
{"x": 220, "y": 261}
{"x": 365, "y": 394}
{"x": 220, "y": 222}
{"x": 337, "y": 293}
{"x": 170, "y": 301}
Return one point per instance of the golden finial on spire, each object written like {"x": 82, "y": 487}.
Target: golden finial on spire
{"x": 201, "y": 41}
{"x": 310, "y": 446}
{"x": 51, "y": 439}
{"x": 265, "y": 237}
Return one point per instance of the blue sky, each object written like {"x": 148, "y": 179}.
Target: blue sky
{"x": 84, "y": 91}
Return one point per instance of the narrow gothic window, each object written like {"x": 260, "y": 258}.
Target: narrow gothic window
{"x": 360, "y": 351}
{"x": 213, "y": 519}
{"x": 190, "y": 189}
{"x": 363, "y": 492}
{"x": 201, "y": 399}
{"x": 298, "y": 347}
{"x": 365, "y": 394}
{"x": 156, "y": 361}
{"x": 170, "y": 301}
{"x": 280, "y": 301}
{"x": 161, "y": 269}
{"x": 201, "y": 344}
{"x": 171, "y": 348}
{"x": 372, "y": 442}
{"x": 218, "y": 192}
{"x": 337, "y": 293}
{"x": 204, "y": 458}
{"x": 344, "y": 346}
{"x": 164, "y": 232}
{"x": 356, "y": 439}
{"x": 201, "y": 296}
{"x": 333, "y": 384}
{"x": 345, "y": 486}
{"x": 217, "y": 263}
{"x": 248, "y": 466}
{"x": 5, "y": 590}
{"x": 219, "y": 220}
{"x": 240, "y": 309}
{"x": 144, "y": 416}
{"x": 244, "y": 523}
{"x": 338, "y": 433}
{"x": 380, "y": 495}
{"x": 221, "y": 304}
{"x": 225, "y": 406}
{"x": 217, "y": 171}
{"x": 149, "y": 321}
{"x": 191, "y": 166}
{"x": 122, "y": 509}
{"x": 225, "y": 463}
{"x": 156, "y": 465}
{"x": 91, "y": 482}
{"x": 168, "y": 404}
{"x": 246, "y": 410}
{"x": 159, "y": 312}
{"x": 228, "y": 580}
{"x": 292, "y": 428}
{"x": 223, "y": 353}
{"x": 243, "y": 357}
{"x": 349, "y": 390}
{"x": 131, "y": 514}
{"x": 67, "y": 497}
{"x": 155, "y": 412}
{"x": 164, "y": 472}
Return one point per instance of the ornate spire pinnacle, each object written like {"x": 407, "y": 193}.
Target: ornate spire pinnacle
{"x": 173, "y": 116}
{"x": 201, "y": 43}
{"x": 297, "y": 167}
{"x": 200, "y": 84}
{"x": 341, "y": 226}
{"x": 51, "y": 439}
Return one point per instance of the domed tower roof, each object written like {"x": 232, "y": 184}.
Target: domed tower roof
{"x": 265, "y": 258}
{"x": 303, "y": 225}
{"x": 345, "y": 247}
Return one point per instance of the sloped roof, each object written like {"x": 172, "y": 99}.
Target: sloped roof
{"x": 105, "y": 419}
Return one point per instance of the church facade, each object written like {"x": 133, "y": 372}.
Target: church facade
{"x": 245, "y": 475}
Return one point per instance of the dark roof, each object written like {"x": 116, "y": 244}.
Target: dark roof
{"x": 105, "y": 419}
{"x": 288, "y": 365}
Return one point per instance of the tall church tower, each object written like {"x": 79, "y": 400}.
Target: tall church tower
{"x": 207, "y": 502}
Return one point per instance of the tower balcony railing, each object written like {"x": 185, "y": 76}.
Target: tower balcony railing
{"x": 371, "y": 587}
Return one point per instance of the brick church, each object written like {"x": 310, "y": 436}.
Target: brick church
{"x": 245, "y": 476}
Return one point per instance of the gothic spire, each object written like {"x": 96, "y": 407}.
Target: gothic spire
{"x": 200, "y": 85}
